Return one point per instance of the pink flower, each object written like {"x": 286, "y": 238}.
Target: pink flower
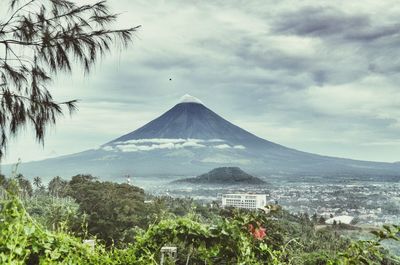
{"x": 258, "y": 233}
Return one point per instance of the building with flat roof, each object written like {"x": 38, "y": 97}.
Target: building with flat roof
{"x": 244, "y": 201}
{"x": 343, "y": 219}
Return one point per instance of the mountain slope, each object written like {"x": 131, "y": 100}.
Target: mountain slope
{"x": 191, "y": 120}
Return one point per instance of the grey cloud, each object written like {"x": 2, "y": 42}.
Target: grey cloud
{"x": 169, "y": 61}
{"x": 368, "y": 33}
{"x": 332, "y": 22}
{"x": 322, "y": 21}
{"x": 319, "y": 67}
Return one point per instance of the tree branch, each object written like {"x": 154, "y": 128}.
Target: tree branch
{"x": 42, "y": 37}
{"x": 13, "y": 15}
{"x": 39, "y": 101}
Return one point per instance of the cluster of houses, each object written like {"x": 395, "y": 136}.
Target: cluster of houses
{"x": 259, "y": 201}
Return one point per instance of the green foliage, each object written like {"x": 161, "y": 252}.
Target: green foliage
{"x": 158, "y": 208}
{"x": 314, "y": 258}
{"x": 23, "y": 189}
{"x": 112, "y": 209}
{"x": 25, "y": 186}
{"x": 371, "y": 251}
{"x": 223, "y": 236}
{"x": 22, "y": 241}
{"x": 54, "y": 213}
{"x": 58, "y": 187}
{"x": 226, "y": 242}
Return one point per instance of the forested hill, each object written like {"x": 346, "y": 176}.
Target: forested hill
{"x": 224, "y": 176}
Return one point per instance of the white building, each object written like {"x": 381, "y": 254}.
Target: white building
{"x": 245, "y": 201}
{"x": 343, "y": 219}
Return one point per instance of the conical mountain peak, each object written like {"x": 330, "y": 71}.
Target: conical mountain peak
{"x": 190, "y": 119}
{"x": 190, "y": 99}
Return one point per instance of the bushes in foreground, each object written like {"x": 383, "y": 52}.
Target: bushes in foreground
{"x": 229, "y": 241}
{"x": 23, "y": 241}
{"x": 228, "y": 237}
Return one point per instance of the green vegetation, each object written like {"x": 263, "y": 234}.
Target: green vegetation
{"x": 224, "y": 176}
{"x": 49, "y": 226}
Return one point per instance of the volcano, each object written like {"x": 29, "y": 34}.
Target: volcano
{"x": 190, "y": 119}
{"x": 190, "y": 139}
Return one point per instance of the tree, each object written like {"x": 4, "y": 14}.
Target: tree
{"x": 57, "y": 187}
{"x": 37, "y": 182}
{"x": 24, "y": 185}
{"x": 321, "y": 220}
{"x": 3, "y": 180}
{"x": 314, "y": 218}
{"x": 53, "y": 213}
{"x": 40, "y": 38}
{"x": 112, "y": 208}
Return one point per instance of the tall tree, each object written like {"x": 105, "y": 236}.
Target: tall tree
{"x": 24, "y": 185}
{"x": 37, "y": 182}
{"x": 40, "y": 38}
{"x": 57, "y": 187}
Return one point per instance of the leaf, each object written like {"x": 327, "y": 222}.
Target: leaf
{"x": 29, "y": 230}
{"x": 54, "y": 255}
{"x": 18, "y": 251}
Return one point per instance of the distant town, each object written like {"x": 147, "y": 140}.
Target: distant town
{"x": 368, "y": 202}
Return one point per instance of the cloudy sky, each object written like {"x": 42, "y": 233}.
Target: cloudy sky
{"x": 319, "y": 76}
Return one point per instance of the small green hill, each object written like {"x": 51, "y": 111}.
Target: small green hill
{"x": 224, "y": 176}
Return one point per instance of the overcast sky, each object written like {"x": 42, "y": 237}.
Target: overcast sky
{"x": 318, "y": 76}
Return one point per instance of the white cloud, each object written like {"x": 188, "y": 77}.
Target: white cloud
{"x": 222, "y": 146}
{"x": 108, "y": 148}
{"x": 223, "y": 159}
{"x": 190, "y": 99}
{"x": 164, "y": 143}
{"x": 153, "y": 140}
{"x": 216, "y": 141}
{"x": 192, "y": 144}
{"x": 154, "y": 144}
{"x": 135, "y": 148}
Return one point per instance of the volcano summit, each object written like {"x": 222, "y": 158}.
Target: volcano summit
{"x": 190, "y": 139}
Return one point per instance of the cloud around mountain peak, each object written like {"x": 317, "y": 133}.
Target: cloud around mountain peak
{"x": 190, "y": 99}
